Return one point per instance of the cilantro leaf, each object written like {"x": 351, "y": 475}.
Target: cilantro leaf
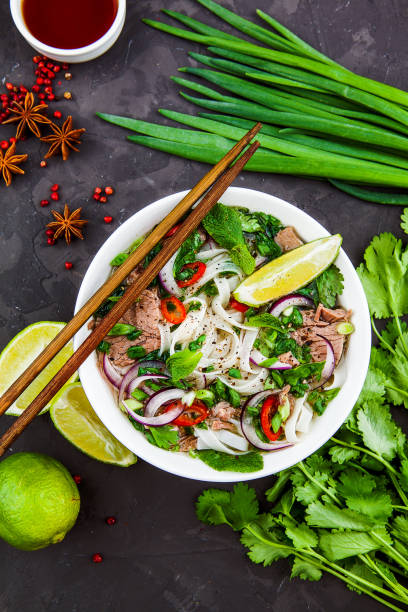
{"x": 237, "y": 509}
{"x": 404, "y": 220}
{"x": 224, "y": 225}
{"x": 333, "y": 517}
{"x": 250, "y": 462}
{"x": 340, "y": 454}
{"x": 358, "y": 491}
{"x": 383, "y": 274}
{"x": 378, "y": 430}
{"x": 329, "y": 286}
{"x": 182, "y": 363}
{"x": 265, "y": 546}
{"x": 343, "y": 544}
{"x": 210, "y": 506}
{"x": 400, "y": 526}
{"x": 300, "y": 534}
{"x": 360, "y": 569}
{"x": 374, "y": 385}
{"x": 305, "y": 570}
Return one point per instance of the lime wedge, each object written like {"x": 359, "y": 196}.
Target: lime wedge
{"x": 73, "y": 416}
{"x": 289, "y": 272}
{"x": 21, "y": 351}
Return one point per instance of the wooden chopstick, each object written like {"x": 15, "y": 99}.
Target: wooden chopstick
{"x": 81, "y": 317}
{"x": 91, "y": 342}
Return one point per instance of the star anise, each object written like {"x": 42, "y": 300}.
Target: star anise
{"x": 69, "y": 223}
{"x": 63, "y": 139}
{"x": 9, "y": 163}
{"x": 28, "y": 115}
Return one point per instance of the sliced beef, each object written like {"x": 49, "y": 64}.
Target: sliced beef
{"x": 332, "y": 316}
{"x": 288, "y": 239}
{"x": 187, "y": 443}
{"x": 144, "y": 314}
{"x": 310, "y": 335}
{"x": 309, "y": 319}
{"x": 225, "y": 411}
{"x": 217, "y": 425}
{"x": 289, "y": 358}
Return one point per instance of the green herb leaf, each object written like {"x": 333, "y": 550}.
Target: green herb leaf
{"x": 251, "y": 462}
{"x": 103, "y": 347}
{"x": 333, "y": 517}
{"x": 187, "y": 253}
{"x": 305, "y": 570}
{"x": 182, "y": 363}
{"x": 266, "y": 320}
{"x": 163, "y": 437}
{"x": 378, "y": 430}
{"x": 320, "y": 399}
{"x": 136, "y": 352}
{"x": 329, "y": 286}
{"x": 224, "y": 225}
{"x": 237, "y": 509}
{"x": 234, "y": 373}
{"x": 198, "y": 343}
{"x": 122, "y": 329}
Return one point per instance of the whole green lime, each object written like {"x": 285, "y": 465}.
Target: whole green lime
{"x": 39, "y": 501}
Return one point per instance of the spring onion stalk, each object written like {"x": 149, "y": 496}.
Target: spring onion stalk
{"x": 295, "y": 101}
{"x": 330, "y": 146}
{"x": 331, "y": 72}
{"x": 270, "y": 38}
{"x": 337, "y": 127}
{"x": 265, "y": 161}
{"x": 255, "y": 31}
{"x": 302, "y": 76}
{"x": 398, "y": 199}
{"x": 267, "y": 142}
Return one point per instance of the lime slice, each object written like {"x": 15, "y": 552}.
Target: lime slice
{"x": 21, "y": 351}
{"x": 289, "y": 272}
{"x": 73, "y": 416}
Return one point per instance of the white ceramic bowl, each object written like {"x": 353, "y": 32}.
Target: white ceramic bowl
{"x": 350, "y": 374}
{"x": 73, "y": 56}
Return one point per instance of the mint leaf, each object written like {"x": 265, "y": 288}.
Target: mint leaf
{"x": 182, "y": 363}
{"x": 383, "y": 275}
{"x": 266, "y": 320}
{"x": 224, "y": 225}
{"x": 329, "y": 286}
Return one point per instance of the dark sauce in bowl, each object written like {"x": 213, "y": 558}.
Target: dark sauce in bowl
{"x": 69, "y": 24}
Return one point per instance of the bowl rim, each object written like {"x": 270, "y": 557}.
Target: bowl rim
{"x": 126, "y": 234}
{"x": 16, "y": 9}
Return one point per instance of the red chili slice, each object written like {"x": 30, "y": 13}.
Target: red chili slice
{"x": 238, "y": 306}
{"x": 172, "y": 231}
{"x": 199, "y": 268}
{"x": 269, "y": 408}
{"x": 194, "y": 414}
{"x": 173, "y": 310}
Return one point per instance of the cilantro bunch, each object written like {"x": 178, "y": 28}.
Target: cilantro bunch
{"x": 384, "y": 275}
{"x": 342, "y": 511}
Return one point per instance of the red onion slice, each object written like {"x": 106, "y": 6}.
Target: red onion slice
{"x": 111, "y": 372}
{"x": 166, "y": 277}
{"x": 257, "y": 358}
{"x": 155, "y": 402}
{"x": 162, "y": 397}
{"x": 329, "y": 365}
{"x": 136, "y": 382}
{"x": 294, "y": 299}
{"x": 130, "y": 375}
{"x": 249, "y": 430}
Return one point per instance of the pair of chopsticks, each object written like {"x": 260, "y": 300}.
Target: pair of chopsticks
{"x": 217, "y": 180}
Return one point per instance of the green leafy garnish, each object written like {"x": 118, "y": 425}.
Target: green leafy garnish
{"x": 319, "y": 399}
{"x": 329, "y": 286}
{"x": 122, "y": 329}
{"x": 163, "y": 437}
{"x": 103, "y": 347}
{"x": 136, "y": 352}
{"x": 250, "y": 462}
{"x": 198, "y": 343}
{"x": 266, "y": 320}
{"x": 234, "y": 373}
{"x": 182, "y": 363}
{"x": 224, "y": 225}
{"x": 187, "y": 254}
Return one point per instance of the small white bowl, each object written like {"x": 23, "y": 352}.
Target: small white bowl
{"x": 350, "y": 374}
{"x": 72, "y": 56}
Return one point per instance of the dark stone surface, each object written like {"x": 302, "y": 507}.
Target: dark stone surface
{"x": 158, "y": 557}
